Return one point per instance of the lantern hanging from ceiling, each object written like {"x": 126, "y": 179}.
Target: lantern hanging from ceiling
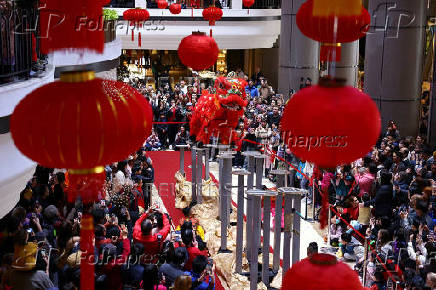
{"x": 248, "y": 4}
{"x": 332, "y": 29}
{"x": 136, "y": 17}
{"x": 175, "y": 8}
{"x": 212, "y": 14}
{"x": 162, "y": 4}
{"x": 81, "y": 123}
{"x": 330, "y": 124}
{"x": 317, "y": 272}
{"x": 198, "y": 51}
{"x": 74, "y": 25}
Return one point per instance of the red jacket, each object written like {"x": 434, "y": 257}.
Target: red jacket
{"x": 193, "y": 252}
{"x": 150, "y": 242}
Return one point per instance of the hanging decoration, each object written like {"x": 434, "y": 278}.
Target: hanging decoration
{"x": 218, "y": 114}
{"x": 81, "y": 123}
{"x": 339, "y": 26}
{"x": 212, "y": 14}
{"x": 317, "y": 272}
{"x": 175, "y": 8}
{"x": 345, "y": 123}
{"x": 136, "y": 18}
{"x": 162, "y": 4}
{"x": 198, "y": 51}
{"x": 344, "y": 126}
{"x": 248, "y": 4}
{"x": 75, "y": 26}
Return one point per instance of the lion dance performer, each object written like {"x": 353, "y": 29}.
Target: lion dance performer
{"x": 217, "y": 114}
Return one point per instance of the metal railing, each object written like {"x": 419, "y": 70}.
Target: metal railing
{"x": 18, "y": 41}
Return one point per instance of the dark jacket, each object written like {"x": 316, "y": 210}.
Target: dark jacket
{"x": 382, "y": 202}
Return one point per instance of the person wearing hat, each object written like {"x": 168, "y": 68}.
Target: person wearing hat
{"x": 24, "y": 274}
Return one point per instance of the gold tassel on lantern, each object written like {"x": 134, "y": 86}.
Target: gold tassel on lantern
{"x": 337, "y": 7}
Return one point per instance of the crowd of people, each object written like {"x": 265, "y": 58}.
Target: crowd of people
{"x": 393, "y": 188}
{"x": 383, "y": 211}
{"x": 135, "y": 246}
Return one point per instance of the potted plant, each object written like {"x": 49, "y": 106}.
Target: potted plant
{"x": 110, "y": 16}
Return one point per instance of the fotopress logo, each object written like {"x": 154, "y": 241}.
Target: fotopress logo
{"x": 314, "y": 142}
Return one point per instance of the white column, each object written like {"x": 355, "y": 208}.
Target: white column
{"x": 141, "y": 3}
{"x": 236, "y": 4}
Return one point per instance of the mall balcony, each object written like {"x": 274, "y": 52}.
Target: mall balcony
{"x": 247, "y": 38}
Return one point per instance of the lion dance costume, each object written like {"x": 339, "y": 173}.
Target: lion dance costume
{"x": 217, "y": 114}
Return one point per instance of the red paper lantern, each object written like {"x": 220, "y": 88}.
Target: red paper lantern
{"x": 72, "y": 25}
{"x": 81, "y": 123}
{"x": 321, "y": 272}
{"x": 212, "y": 14}
{"x": 322, "y": 28}
{"x": 330, "y": 124}
{"x": 136, "y": 17}
{"x": 198, "y": 51}
{"x": 175, "y": 8}
{"x": 162, "y": 4}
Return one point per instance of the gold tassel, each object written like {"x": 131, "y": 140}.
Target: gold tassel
{"x": 337, "y": 7}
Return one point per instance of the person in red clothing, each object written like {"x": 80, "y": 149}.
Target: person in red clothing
{"x": 352, "y": 207}
{"x": 191, "y": 245}
{"x": 143, "y": 233}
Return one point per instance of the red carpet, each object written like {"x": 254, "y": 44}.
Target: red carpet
{"x": 166, "y": 164}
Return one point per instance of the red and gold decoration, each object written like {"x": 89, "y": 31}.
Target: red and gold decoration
{"x": 344, "y": 125}
{"x": 162, "y": 4}
{"x": 175, "y": 8}
{"x": 70, "y": 26}
{"x": 84, "y": 122}
{"x": 218, "y": 114}
{"x": 136, "y": 18}
{"x": 317, "y": 272}
{"x": 81, "y": 123}
{"x": 331, "y": 23}
{"x": 248, "y": 4}
{"x": 198, "y": 51}
{"x": 212, "y": 14}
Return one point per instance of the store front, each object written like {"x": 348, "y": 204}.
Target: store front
{"x": 159, "y": 67}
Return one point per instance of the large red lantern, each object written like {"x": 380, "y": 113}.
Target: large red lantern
{"x": 332, "y": 30}
{"x": 175, "y": 8}
{"x": 198, "y": 51}
{"x": 81, "y": 123}
{"x": 212, "y": 14}
{"x": 73, "y": 25}
{"x": 162, "y": 4}
{"x": 330, "y": 124}
{"x": 321, "y": 272}
{"x": 136, "y": 17}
